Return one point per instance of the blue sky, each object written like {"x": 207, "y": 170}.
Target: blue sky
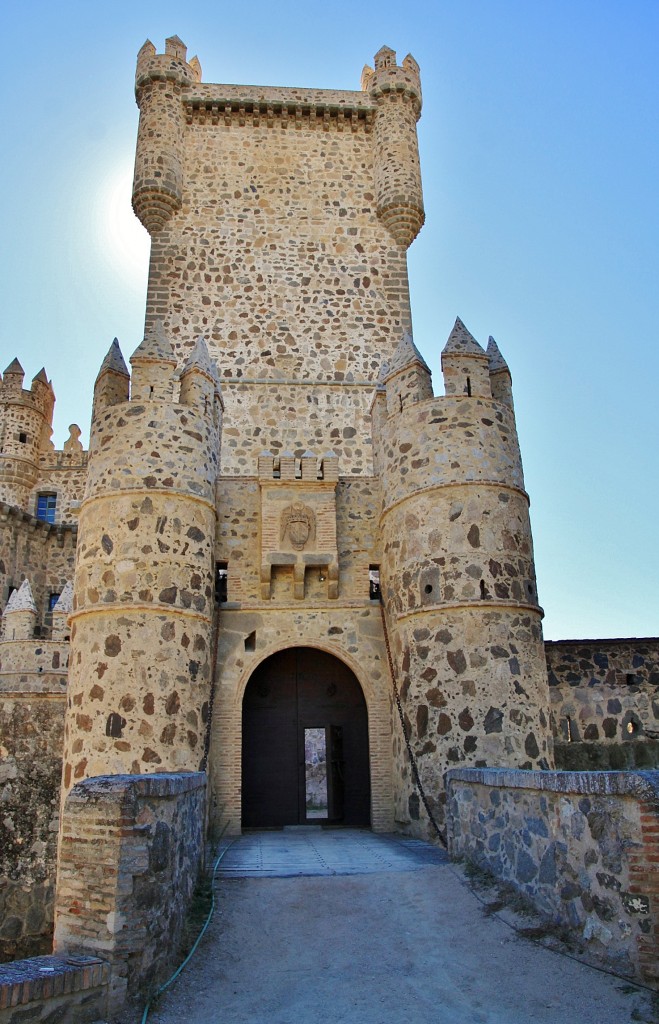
{"x": 540, "y": 161}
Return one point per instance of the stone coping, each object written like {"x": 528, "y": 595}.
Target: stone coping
{"x": 605, "y": 641}
{"x": 158, "y": 784}
{"x": 623, "y": 783}
{"x": 277, "y": 96}
{"x": 45, "y": 977}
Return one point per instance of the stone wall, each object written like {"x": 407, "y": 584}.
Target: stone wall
{"x": 41, "y": 552}
{"x": 583, "y": 846}
{"x": 131, "y": 852}
{"x": 51, "y": 989}
{"x": 277, "y": 235}
{"x": 605, "y": 702}
{"x": 31, "y": 738}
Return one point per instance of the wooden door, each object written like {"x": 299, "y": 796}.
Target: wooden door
{"x": 297, "y": 700}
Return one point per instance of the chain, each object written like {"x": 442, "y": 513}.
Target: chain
{"x": 401, "y": 714}
{"x": 211, "y": 698}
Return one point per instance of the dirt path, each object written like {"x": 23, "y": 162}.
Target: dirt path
{"x": 386, "y": 948}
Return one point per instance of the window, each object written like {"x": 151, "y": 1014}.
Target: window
{"x": 22, "y": 437}
{"x": 52, "y": 601}
{"x": 374, "y": 582}
{"x": 221, "y": 581}
{"x": 46, "y": 505}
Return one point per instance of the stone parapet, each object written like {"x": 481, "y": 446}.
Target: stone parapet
{"x": 131, "y": 852}
{"x": 604, "y": 696}
{"x": 582, "y": 846}
{"x": 54, "y": 988}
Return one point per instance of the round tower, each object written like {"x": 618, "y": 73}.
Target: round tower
{"x": 397, "y": 95}
{"x": 141, "y": 622}
{"x": 27, "y": 418}
{"x": 458, "y": 578}
{"x": 160, "y": 82}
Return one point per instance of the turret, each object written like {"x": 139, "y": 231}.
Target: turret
{"x": 396, "y": 91}
{"x": 26, "y": 418}
{"x": 61, "y": 612}
{"x": 407, "y": 377}
{"x": 500, "y": 378}
{"x": 160, "y": 83}
{"x": 141, "y": 619}
{"x": 465, "y": 365}
{"x": 458, "y": 578}
{"x": 113, "y": 380}
{"x": 153, "y": 364}
{"x": 20, "y": 616}
{"x": 200, "y": 384}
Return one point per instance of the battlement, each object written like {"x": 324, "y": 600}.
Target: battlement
{"x": 286, "y": 466}
{"x": 155, "y": 377}
{"x": 40, "y": 397}
{"x": 172, "y": 65}
{"x": 388, "y": 77}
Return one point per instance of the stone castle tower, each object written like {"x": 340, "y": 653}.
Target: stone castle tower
{"x": 276, "y": 509}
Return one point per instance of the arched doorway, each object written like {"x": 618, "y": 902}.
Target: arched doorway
{"x": 305, "y": 743}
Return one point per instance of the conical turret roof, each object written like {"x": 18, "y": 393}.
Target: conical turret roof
{"x": 461, "y": 341}
{"x": 155, "y": 347}
{"x": 114, "y": 361}
{"x": 406, "y": 353}
{"x": 42, "y": 377}
{"x": 65, "y": 600}
{"x": 200, "y": 359}
{"x": 21, "y": 600}
{"x": 495, "y": 359}
{"x": 15, "y": 367}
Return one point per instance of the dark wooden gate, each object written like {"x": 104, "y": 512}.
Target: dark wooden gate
{"x": 294, "y": 696}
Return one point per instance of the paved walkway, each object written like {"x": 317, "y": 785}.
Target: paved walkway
{"x": 331, "y": 927}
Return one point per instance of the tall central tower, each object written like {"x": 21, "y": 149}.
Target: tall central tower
{"x": 280, "y": 220}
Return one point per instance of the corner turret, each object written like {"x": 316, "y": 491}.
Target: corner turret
{"x": 27, "y": 420}
{"x": 396, "y": 91}
{"x": 160, "y": 83}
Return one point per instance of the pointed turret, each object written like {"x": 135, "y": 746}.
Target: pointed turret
{"x": 13, "y": 378}
{"x": 113, "y": 382}
{"x": 199, "y": 377}
{"x": 61, "y": 613}
{"x": 20, "y": 615}
{"x": 500, "y": 377}
{"x": 408, "y": 378}
{"x": 465, "y": 364}
{"x": 153, "y": 364}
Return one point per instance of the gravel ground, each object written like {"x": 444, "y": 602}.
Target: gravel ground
{"x": 386, "y": 948}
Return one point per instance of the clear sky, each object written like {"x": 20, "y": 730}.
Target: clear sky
{"x": 540, "y": 160}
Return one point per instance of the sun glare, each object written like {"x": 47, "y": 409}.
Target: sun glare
{"x": 126, "y": 242}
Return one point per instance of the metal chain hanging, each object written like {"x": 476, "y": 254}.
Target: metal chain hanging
{"x": 401, "y": 714}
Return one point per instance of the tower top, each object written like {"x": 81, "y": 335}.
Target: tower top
{"x": 21, "y": 600}
{"x": 461, "y": 342}
{"x": 114, "y": 361}
{"x": 496, "y": 361}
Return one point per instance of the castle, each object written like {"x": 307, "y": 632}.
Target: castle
{"x": 276, "y": 512}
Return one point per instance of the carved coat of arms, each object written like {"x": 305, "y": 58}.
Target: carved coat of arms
{"x": 300, "y": 522}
